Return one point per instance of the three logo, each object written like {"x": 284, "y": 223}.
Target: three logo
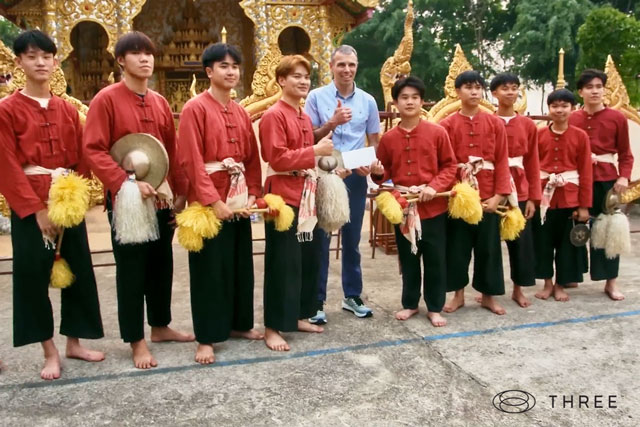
{"x": 514, "y": 401}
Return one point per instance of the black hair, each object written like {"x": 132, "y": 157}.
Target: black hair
{"x": 217, "y": 52}
{"x": 33, "y": 39}
{"x": 588, "y": 75}
{"x": 503, "y": 79}
{"x": 409, "y": 81}
{"x": 467, "y": 77}
{"x": 563, "y": 95}
{"x": 134, "y": 41}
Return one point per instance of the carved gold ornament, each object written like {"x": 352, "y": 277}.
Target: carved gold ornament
{"x": 615, "y": 92}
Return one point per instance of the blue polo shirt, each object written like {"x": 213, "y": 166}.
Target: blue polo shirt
{"x": 321, "y": 104}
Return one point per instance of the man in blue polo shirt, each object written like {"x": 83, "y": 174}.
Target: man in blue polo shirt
{"x": 352, "y": 115}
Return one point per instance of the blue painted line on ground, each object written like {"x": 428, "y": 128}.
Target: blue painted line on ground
{"x": 314, "y": 353}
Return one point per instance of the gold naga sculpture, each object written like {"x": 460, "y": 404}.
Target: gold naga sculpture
{"x": 451, "y": 103}
{"x": 398, "y": 65}
{"x": 58, "y": 86}
{"x": 265, "y": 88}
{"x": 617, "y": 98}
{"x": 616, "y": 95}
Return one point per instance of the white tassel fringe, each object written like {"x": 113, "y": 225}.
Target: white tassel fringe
{"x": 135, "y": 218}
{"x": 332, "y": 203}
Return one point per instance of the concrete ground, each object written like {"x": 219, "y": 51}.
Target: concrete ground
{"x": 375, "y": 371}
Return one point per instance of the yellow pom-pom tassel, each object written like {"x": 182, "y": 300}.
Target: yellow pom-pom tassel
{"x": 512, "y": 224}
{"x": 389, "y": 206}
{"x": 285, "y": 214}
{"x": 189, "y": 239}
{"x": 68, "y": 200}
{"x": 196, "y": 223}
{"x": 465, "y": 204}
{"x": 201, "y": 219}
{"x": 61, "y": 274}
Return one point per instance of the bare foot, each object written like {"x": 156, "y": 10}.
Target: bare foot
{"x": 518, "y": 296}
{"x": 76, "y": 351}
{"x": 204, "y": 354}
{"x": 274, "y": 340}
{"x": 142, "y": 357}
{"x": 455, "y": 303}
{"x": 51, "y": 368}
{"x": 546, "y": 291}
{"x": 165, "y": 333}
{"x": 436, "y": 319}
{"x": 612, "y": 290}
{"x": 478, "y": 298}
{"x": 490, "y": 303}
{"x": 251, "y": 334}
{"x": 571, "y": 285}
{"x": 559, "y": 294}
{"x": 304, "y": 326}
{"x": 1, "y": 366}
{"x": 406, "y": 313}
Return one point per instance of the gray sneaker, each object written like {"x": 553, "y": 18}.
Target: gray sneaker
{"x": 357, "y": 307}
{"x": 319, "y": 319}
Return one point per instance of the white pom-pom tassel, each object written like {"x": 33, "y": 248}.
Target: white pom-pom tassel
{"x": 618, "y": 240}
{"x": 332, "y": 203}
{"x": 135, "y": 218}
{"x": 599, "y": 231}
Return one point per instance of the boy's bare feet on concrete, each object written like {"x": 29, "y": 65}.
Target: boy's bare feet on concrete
{"x": 490, "y": 303}
{"x": 436, "y": 319}
{"x": 455, "y": 303}
{"x": 142, "y": 357}
{"x": 546, "y": 291}
{"x": 251, "y": 334}
{"x": 51, "y": 368}
{"x": 518, "y": 297}
{"x": 204, "y": 354}
{"x": 274, "y": 340}
{"x": 612, "y": 290}
{"x": 559, "y": 294}
{"x": 75, "y": 350}
{"x": 406, "y": 313}
{"x": 304, "y": 326}
{"x": 165, "y": 334}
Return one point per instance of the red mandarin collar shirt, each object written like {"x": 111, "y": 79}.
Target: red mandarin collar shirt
{"x": 31, "y": 135}
{"x": 483, "y": 136}
{"x": 286, "y": 139}
{"x": 211, "y": 132}
{"x": 608, "y": 132}
{"x": 117, "y": 111}
{"x": 422, "y": 155}
{"x": 564, "y": 152}
{"x": 522, "y": 140}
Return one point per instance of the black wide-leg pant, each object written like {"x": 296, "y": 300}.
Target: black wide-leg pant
{"x": 602, "y": 268}
{"x": 552, "y": 243}
{"x": 144, "y": 271}
{"x": 432, "y": 249}
{"x": 32, "y": 263}
{"x": 522, "y": 255}
{"x": 483, "y": 240}
{"x": 290, "y": 277}
{"x": 221, "y": 277}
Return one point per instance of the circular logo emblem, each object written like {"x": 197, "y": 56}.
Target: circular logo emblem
{"x": 514, "y": 401}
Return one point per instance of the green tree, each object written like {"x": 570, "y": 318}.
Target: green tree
{"x": 609, "y": 31}
{"x": 541, "y": 28}
{"x": 8, "y": 31}
{"x": 438, "y": 26}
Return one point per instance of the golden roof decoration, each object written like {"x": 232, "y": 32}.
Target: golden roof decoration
{"x": 398, "y": 65}
{"x": 450, "y": 103}
{"x": 615, "y": 95}
{"x": 265, "y": 88}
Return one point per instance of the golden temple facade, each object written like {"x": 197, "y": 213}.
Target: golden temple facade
{"x": 86, "y": 31}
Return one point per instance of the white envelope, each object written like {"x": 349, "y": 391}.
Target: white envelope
{"x": 358, "y": 158}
